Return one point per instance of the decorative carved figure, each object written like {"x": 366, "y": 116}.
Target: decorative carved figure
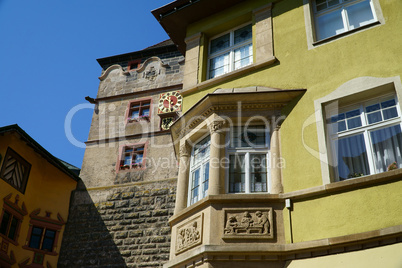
{"x": 249, "y": 223}
{"x": 189, "y": 235}
{"x": 151, "y": 74}
{"x": 262, "y": 221}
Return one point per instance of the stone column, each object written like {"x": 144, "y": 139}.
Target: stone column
{"x": 182, "y": 180}
{"x": 276, "y": 178}
{"x": 216, "y": 130}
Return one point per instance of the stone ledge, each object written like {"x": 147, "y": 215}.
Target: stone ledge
{"x": 300, "y": 250}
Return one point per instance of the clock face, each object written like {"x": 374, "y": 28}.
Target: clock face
{"x": 167, "y": 122}
{"x": 170, "y": 102}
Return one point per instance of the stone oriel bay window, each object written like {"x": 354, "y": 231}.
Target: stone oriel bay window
{"x": 43, "y": 233}
{"x": 131, "y": 157}
{"x": 15, "y": 170}
{"x": 224, "y": 152}
{"x": 11, "y": 218}
{"x": 139, "y": 110}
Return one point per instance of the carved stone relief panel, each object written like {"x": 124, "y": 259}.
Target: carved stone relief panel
{"x": 255, "y": 223}
{"x": 189, "y": 234}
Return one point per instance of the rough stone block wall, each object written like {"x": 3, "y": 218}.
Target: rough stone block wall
{"x": 119, "y": 227}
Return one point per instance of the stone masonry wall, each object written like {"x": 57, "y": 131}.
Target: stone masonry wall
{"x": 120, "y": 227}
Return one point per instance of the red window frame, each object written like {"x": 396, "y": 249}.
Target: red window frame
{"x": 140, "y": 107}
{"x": 44, "y": 223}
{"x": 15, "y": 212}
{"x": 133, "y": 65}
{"x": 132, "y": 151}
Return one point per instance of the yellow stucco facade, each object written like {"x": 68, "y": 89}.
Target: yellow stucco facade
{"x": 317, "y": 211}
{"x": 44, "y": 203}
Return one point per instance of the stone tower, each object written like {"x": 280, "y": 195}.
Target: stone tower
{"x": 119, "y": 215}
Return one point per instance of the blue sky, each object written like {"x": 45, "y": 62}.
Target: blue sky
{"x": 48, "y": 52}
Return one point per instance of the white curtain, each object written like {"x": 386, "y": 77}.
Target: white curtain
{"x": 387, "y": 144}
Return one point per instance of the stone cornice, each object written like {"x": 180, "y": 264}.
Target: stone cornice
{"x": 285, "y": 252}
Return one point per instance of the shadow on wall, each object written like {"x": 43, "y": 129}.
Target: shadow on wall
{"x": 87, "y": 242}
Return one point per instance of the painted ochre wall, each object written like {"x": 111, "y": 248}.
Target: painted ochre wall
{"x": 371, "y": 52}
{"x": 48, "y": 188}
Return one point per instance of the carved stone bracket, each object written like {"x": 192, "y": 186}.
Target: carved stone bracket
{"x": 189, "y": 234}
{"x": 255, "y": 223}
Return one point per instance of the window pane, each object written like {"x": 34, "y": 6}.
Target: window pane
{"x": 138, "y": 159}
{"x": 237, "y": 173}
{"x": 145, "y": 111}
{"x": 219, "y": 65}
{"x": 127, "y": 160}
{"x": 387, "y": 144}
{"x": 248, "y": 137}
{"x": 195, "y": 182}
{"x": 220, "y": 43}
{"x": 352, "y": 157}
{"x": 354, "y": 122}
{"x": 338, "y": 127}
{"x": 243, "y": 56}
{"x": 135, "y": 114}
{"x": 359, "y": 14}
{"x": 374, "y": 117}
{"x": 35, "y": 237}
{"x": 258, "y": 173}
{"x": 13, "y": 229}
{"x": 388, "y": 103}
{"x": 329, "y": 24}
{"x": 243, "y": 34}
{"x": 4, "y": 222}
{"x": 205, "y": 183}
{"x": 48, "y": 240}
{"x": 373, "y": 108}
{"x": 390, "y": 113}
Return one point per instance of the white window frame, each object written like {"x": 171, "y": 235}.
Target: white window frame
{"x": 247, "y": 151}
{"x": 202, "y": 166}
{"x": 343, "y": 5}
{"x": 364, "y": 129}
{"x": 229, "y": 50}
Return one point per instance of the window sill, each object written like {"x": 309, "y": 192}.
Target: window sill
{"x": 228, "y": 76}
{"x": 323, "y": 190}
{"x": 52, "y": 253}
{"x": 14, "y": 242}
{"x": 329, "y": 39}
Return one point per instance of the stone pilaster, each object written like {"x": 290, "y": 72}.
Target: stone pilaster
{"x": 263, "y": 33}
{"x": 192, "y": 60}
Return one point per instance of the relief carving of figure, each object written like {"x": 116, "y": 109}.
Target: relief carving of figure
{"x": 247, "y": 220}
{"x": 189, "y": 236}
{"x": 230, "y": 224}
{"x": 262, "y": 221}
{"x": 258, "y": 224}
